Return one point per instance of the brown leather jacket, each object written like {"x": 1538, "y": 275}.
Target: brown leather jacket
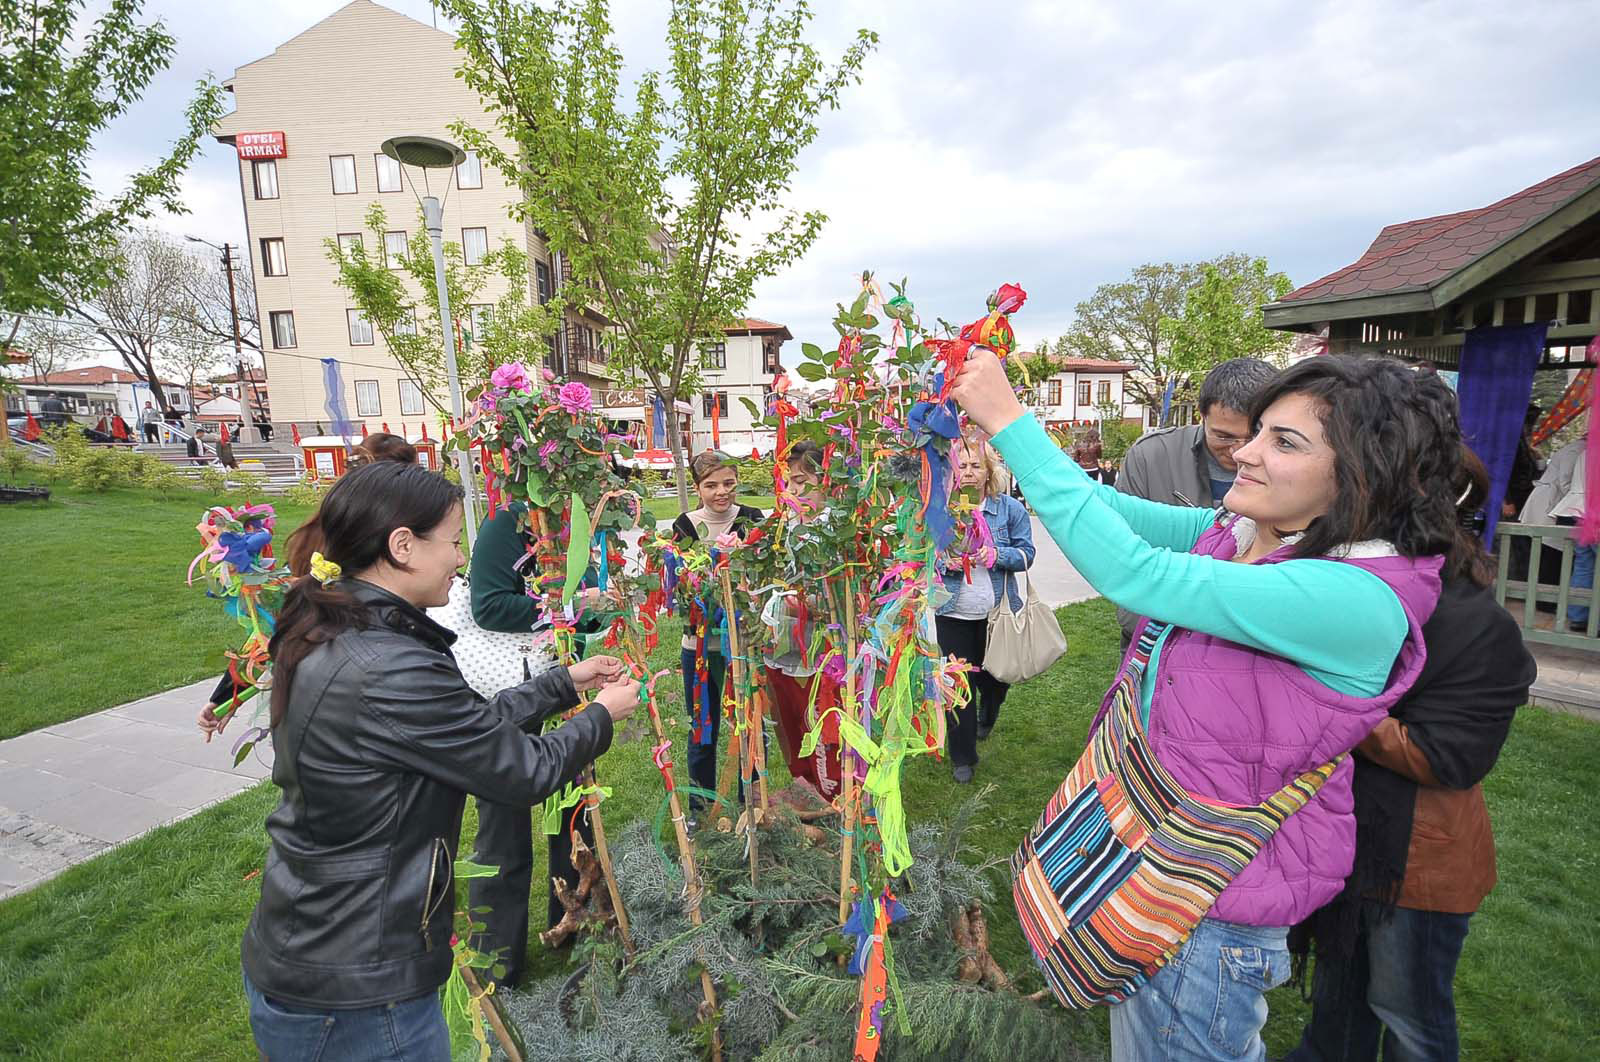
{"x": 1450, "y": 866}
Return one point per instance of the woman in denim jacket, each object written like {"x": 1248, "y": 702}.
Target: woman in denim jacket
{"x": 977, "y": 570}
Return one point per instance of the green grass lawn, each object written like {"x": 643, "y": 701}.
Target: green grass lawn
{"x": 96, "y": 610}
{"x": 135, "y": 953}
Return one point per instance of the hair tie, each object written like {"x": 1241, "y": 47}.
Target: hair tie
{"x": 324, "y": 570}
{"x": 1464, "y": 495}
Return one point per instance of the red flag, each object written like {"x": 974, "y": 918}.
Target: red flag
{"x": 424, "y": 429}
{"x": 386, "y": 427}
{"x": 101, "y": 426}
{"x": 119, "y": 427}
{"x": 30, "y": 429}
{"x": 716, "y": 414}
{"x": 294, "y": 433}
{"x": 405, "y": 432}
{"x": 224, "y": 436}
{"x": 363, "y": 429}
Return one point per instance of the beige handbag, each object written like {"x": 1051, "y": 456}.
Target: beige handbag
{"x": 1024, "y": 643}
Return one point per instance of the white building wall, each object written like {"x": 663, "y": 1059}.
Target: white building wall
{"x": 743, "y": 377}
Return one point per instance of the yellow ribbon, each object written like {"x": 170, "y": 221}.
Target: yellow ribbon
{"x": 324, "y": 570}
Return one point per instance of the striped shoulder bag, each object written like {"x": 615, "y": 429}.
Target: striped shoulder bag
{"x": 1124, "y": 863}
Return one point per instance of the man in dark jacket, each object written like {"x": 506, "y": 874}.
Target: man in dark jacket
{"x": 1193, "y": 464}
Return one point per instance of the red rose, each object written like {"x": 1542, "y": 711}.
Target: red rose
{"x": 1009, "y": 298}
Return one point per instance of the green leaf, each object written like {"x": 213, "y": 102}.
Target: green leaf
{"x": 577, "y": 548}
{"x": 244, "y": 750}
{"x": 466, "y": 868}
{"x": 811, "y": 351}
{"x": 750, "y": 406}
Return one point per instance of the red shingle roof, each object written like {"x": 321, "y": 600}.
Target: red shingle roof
{"x": 1418, "y": 254}
{"x": 756, "y": 324}
{"x": 90, "y": 376}
{"x": 1081, "y": 364}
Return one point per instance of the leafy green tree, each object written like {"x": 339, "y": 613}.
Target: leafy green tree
{"x": 62, "y": 82}
{"x": 1127, "y": 321}
{"x": 673, "y": 209}
{"x": 402, "y": 302}
{"x": 1221, "y": 317}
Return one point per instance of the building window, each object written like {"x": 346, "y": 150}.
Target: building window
{"x": 410, "y": 398}
{"x": 367, "y": 404}
{"x": 1083, "y": 392}
{"x": 476, "y": 325}
{"x": 349, "y": 244}
{"x": 720, "y": 397}
{"x": 1054, "y": 393}
{"x": 394, "y": 249}
{"x": 1154, "y": 417}
{"x": 406, "y": 325}
{"x": 282, "y": 322}
{"x": 360, "y": 328}
{"x": 389, "y": 178}
{"x": 541, "y": 272}
{"x": 474, "y": 246}
{"x": 265, "y": 172}
{"x": 344, "y": 174}
{"x": 273, "y": 261}
{"x": 470, "y": 173}
{"x": 769, "y": 357}
{"x": 1102, "y": 392}
{"x": 714, "y": 356}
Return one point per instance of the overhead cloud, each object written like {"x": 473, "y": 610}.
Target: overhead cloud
{"x": 1061, "y": 144}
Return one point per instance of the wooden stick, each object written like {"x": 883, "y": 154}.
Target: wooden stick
{"x": 491, "y": 1011}
{"x": 736, "y": 676}
{"x": 691, "y": 873}
{"x": 844, "y": 755}
{"x": 552, "y": 603}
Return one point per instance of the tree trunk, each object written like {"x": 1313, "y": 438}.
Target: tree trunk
{"x": 675, "y": 444}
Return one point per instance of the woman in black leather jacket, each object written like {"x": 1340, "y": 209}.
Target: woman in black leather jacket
{"x": 377, "y": 741}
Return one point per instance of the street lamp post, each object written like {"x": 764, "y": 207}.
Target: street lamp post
{"x": 429, "y": 153}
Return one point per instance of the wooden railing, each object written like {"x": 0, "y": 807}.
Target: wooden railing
{"x": 1523, "y": 596}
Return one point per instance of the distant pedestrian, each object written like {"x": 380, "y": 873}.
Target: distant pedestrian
{"x": 195, "y": 448}
{"x": 150, "y": 423}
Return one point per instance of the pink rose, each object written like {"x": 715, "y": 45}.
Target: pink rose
{"x": 549, "y": 377}
{"x": 575, "y": 398}
{"x": 727, "y": 542}
{"x": 512, "y": 376}
{"x": 486, "y": 402}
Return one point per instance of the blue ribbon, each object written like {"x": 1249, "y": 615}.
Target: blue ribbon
{"x": 930, "y": 422}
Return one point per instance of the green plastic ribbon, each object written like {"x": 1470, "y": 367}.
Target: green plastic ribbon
{"x": 580, "y": 532}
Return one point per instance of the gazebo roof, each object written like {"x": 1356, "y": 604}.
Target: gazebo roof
{"x": 1425, "y": 263}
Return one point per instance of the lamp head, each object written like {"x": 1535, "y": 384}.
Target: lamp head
{"x": 424, "y": 152}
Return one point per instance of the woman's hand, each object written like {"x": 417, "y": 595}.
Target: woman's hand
{"x": 210, "y": 723}
{"x": 595, "y": 598}
{"x": 984, "y": 393}
{"x": 595, "y": 672}
{"x": 986, "y": 556}
{"x": 620, "y": 699}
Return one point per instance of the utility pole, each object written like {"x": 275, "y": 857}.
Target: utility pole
{"x": 238, "y": 350}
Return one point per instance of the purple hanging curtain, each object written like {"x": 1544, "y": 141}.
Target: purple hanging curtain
{"x": 333, "y": 398}
{"x": 1496, "y": 381}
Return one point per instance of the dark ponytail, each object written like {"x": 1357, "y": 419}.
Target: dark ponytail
{"x": 355, "y": 522}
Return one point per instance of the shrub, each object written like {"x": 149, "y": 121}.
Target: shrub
{"x": 247, "y": 487}
{"x": 307, "y": 492}
{"x": 18, "y": 464}
{"x": 755, "y": 474}
{"x": 214, "y": 481}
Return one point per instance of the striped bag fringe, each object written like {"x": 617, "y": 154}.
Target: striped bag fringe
{"x": 1124, "y": 863}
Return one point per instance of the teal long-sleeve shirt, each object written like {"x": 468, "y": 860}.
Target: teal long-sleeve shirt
{"x": 1340, "y": 623}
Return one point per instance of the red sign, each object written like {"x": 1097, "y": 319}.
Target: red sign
{"x": 260, "y": 145}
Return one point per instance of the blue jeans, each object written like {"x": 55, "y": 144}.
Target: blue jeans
{"x": 1209, "y": 1002}
{"x": 1396, "y": 988}
{"x": 409, "y": 1031}
{"x": 703, "y": 758}
{"x": 1582, "y": 579}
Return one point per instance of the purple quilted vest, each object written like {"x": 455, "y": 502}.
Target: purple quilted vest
{"x": 1235, "y": 724}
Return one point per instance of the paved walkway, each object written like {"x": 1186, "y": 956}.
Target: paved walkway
{"x": 73, "y": 790}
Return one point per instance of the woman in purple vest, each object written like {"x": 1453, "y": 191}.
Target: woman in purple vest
{"x": 1281, "y": 630}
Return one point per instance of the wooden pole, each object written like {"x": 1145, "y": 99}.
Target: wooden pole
{"x": 602, "y": 853}
{"x": 736, "y": 676}
{"x": 844, "y": 754}
{"x": 491, "y": 1011}
{"x": 680, "y": 829}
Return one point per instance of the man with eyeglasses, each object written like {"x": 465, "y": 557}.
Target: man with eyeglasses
{"x": 1193, "y": 464}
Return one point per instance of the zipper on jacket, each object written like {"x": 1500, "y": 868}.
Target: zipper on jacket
{"x": 429, "y": 904}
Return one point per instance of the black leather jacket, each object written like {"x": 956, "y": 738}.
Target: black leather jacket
{"x": 380, "y": 745}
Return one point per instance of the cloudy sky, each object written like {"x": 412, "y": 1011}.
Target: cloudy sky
{"x": 1067, "y": 142}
